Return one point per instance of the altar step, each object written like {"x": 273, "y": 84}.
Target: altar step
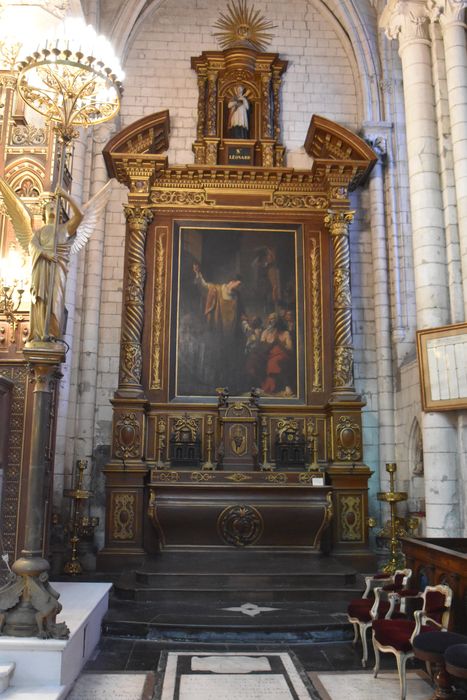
{"x": 251, "y": 575}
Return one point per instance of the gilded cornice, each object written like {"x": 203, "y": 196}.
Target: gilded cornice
{"x": 341, "y": 161}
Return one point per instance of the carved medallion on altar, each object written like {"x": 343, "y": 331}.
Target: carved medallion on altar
{"x": 237, "y": 274}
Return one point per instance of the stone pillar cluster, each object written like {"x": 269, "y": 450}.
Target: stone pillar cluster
{"x": 408, "y": 21}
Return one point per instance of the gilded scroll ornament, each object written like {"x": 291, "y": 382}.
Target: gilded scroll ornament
{"x": 289, "y": 200}
{"x": 276, "y": 477}
{"x": 127, "y": 437}
{"x": 201, "y": 477}
{"x": 316, "y": 318}
{"x": 157, "y": 326}
{"x": 130, "y": 363}
{"x": 168, "y": 476}
{"x": 212, "y": 104}
{"x": 267, "y": 155}
{"x": 28, "y": 135}
{"x": 201, "y": 105}
{"x": 266, "y": 110}
{"x": 351, "y": 522}
{"x": 211, "y": 153}
{"x": 181, "y": 198}
{"x": 349, "y": 440}
{"x": 185, "y": 428}
{"x": 123, "y": 509}
{"x": 343, "y": 367}
{"x": 238, "y": 477}
{"x": 240, "y": 525}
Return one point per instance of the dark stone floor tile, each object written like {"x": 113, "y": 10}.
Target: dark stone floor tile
{"x": 311, "y": 657}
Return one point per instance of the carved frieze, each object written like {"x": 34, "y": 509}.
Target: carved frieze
{"x": 179, "y": 198}
{"x": 28, "y": 135}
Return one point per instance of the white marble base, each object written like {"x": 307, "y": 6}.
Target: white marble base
{"x": 363, "y": 686}
{"x": 54, "y": 664}
{"x": 232, "y": 676}
{"x": 109, "y": 686}
{"x": 228, "y": 687}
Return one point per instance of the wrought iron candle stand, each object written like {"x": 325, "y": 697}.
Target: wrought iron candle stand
{"x": 396, "y": 527}
{"x": 80, "y": 526}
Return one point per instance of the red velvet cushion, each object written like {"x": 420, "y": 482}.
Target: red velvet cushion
{"x": 381, "y": 576}
{"x": 435, "y": 605}
{"x": 358, "y": 609}
{"x": 394, "y": 633}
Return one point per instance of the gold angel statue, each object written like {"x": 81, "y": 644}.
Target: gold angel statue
{"x": 50, "y": 247}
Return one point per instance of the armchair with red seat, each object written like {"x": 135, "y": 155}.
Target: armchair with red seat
{"x": 375, "y": 605}
{"x": 396, "y": 636}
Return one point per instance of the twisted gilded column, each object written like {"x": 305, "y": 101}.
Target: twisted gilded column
{"x": 343, "y": 380}
{"x": 212, "y": 104}
{"x": 129, "y": 383}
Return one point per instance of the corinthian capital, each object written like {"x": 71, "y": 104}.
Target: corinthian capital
{"x": 406, "y": 20}
{"x": 449, "y": 11}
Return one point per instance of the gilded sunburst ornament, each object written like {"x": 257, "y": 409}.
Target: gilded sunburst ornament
{"x": 243, "y": 26}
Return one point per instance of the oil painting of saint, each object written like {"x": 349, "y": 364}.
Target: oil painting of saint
{"x": 239, "y": 320}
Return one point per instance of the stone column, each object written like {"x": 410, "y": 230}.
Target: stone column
{"x": 91, "y": 308}
{"x": 129, "y": 384}
{"x": 408, "y": 21}
{"x": 382, "y": 306}
{"x": 453, "y": 29}
{"x": 343, "y": 379}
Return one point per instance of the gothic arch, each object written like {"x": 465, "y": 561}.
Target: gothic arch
{"x": 26, "y": 177}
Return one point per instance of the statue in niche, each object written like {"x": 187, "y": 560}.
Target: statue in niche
{"x": 49, "y": 247}
{"x": 238, "y": 114}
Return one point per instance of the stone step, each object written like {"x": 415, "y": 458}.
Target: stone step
{"x": 6, "y": 674}
{"x": 222, "y": 621}
{"x": 237, "y": 580}
{"x": 250, "y": 592}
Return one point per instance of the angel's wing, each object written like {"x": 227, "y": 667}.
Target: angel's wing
{"x": 91, "y": 212}
{"x": 19, "y": 214}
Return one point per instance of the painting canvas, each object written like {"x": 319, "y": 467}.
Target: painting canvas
{"x": 238, "y": 317}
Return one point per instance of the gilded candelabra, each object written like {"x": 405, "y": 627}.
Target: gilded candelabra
{"x": 80, "y": 525}
{"x": 265, "y": 465}
{"x": 209, "y": 464}
{"x": 12, "y": 286}
{"x": 393, "y": 497}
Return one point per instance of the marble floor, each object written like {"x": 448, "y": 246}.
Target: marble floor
{"x": 117, "y": 655}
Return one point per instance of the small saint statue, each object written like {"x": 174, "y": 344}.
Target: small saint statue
{"x": 50, "y": 247}
{"x": 238, "y": 114}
